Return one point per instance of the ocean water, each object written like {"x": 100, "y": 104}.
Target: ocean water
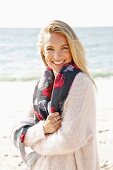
{"x": 20, "y": 60}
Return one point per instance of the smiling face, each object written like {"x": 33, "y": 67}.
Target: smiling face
{"x": 56, "y": 51}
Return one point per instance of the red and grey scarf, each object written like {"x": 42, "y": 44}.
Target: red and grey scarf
{"x": 53, "y": 91}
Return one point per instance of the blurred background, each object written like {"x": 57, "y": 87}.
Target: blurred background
{"x": 21, "y": 65}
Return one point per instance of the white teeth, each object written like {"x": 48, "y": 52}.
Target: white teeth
{"x": 58, "y": 62}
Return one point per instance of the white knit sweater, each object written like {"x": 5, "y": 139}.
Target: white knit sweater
{"x": 73, "y": 146}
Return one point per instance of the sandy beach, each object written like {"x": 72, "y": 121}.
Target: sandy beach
{"x": 15, "y": 101}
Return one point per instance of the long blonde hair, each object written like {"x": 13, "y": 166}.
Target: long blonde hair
{"x": 76, "y": 47}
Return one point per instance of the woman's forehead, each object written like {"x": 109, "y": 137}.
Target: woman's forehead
{"x": 54, "y": 38}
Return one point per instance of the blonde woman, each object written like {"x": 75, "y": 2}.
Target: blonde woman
{"x": 63, "y": 129}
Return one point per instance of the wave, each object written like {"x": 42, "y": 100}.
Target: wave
{"x": 102, "y": 74}
{"x": 37, "y": 76}
{"x": 29, "y": 77}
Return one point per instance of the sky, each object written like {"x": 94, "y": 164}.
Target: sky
{"x": 36, "y": 13}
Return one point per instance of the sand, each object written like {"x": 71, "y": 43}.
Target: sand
{"x": 16, "y": 100}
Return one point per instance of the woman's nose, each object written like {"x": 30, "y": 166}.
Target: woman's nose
{"x": 56, "y": 54}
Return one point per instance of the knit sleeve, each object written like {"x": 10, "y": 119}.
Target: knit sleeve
{"x": 78, "y": 124}
{"x": 34, "y": 134}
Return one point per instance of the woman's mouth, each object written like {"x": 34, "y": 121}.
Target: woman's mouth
{"x": 58, "y": 62}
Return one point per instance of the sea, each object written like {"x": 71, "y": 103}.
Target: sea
{"x": 20, "y": 59}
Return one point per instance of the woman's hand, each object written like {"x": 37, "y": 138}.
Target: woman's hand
{"x": 52, "y": 123}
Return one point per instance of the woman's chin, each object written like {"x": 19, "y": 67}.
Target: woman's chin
{"x": 58, "y": 68}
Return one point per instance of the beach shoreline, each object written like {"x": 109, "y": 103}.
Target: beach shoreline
{"x": 16, "y": 100}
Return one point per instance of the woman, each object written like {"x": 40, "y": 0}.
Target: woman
{"x": 63, "y": 135}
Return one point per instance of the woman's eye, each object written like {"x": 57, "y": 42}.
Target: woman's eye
{"x": 49, "y": 49}
{"x": 64, "y": 48}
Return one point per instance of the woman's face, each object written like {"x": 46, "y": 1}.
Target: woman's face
{"x": 56, "y": 51}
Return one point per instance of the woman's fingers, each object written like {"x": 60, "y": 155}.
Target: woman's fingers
{"x": 52, "y": 123}
{"x": 52, "y": 115}
{"x": 57, "y": 123}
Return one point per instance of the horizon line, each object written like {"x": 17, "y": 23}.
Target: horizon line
{"x": 31, "y": 27}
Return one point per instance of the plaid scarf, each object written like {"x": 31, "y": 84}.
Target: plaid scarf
{"x": 51, "y": 90}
